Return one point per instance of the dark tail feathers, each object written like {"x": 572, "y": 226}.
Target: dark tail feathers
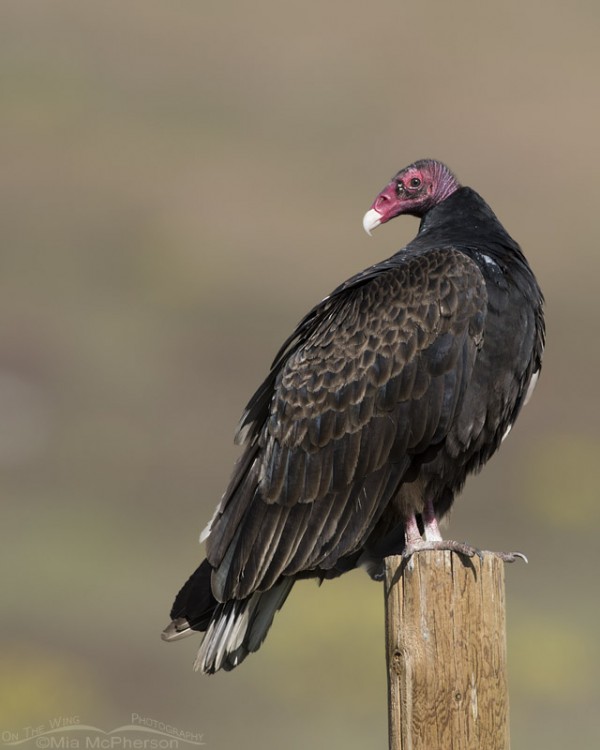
{"x": 232, "y": 629}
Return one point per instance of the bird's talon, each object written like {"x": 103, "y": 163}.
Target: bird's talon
{"x": 514, "y": 556}
{"x": 509, "y": 557}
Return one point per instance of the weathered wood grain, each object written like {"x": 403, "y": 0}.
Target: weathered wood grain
{"x": 446, "y": 652}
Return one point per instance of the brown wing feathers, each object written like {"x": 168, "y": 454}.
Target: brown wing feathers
{"x": 359, "y": 390}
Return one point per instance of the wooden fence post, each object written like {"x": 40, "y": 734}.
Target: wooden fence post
{"x": 446, "y": 652}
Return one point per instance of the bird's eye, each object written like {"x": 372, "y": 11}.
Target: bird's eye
{"x": 415, "y": 182}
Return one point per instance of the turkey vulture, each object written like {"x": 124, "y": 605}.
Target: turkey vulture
{"x": 390, "y": 391}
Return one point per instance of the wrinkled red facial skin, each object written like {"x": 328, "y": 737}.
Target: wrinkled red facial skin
{"x": 400, "y": 196}
{"x": 388, "y": 203}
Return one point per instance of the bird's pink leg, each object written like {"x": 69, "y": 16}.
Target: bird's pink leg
{"x": 432, "y": 530}
{"x": 411, "y": 532}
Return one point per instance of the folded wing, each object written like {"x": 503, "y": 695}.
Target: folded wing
{"x": 371, "y": 379}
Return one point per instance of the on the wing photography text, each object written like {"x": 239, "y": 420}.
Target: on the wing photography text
{"x": 70, "y": 733}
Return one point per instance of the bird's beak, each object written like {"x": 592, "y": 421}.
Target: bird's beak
{"x": 385, "y": 207}
{"x": 371, "y": 220}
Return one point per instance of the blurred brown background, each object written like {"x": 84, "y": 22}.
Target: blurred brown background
{"x": 180, "y": 182}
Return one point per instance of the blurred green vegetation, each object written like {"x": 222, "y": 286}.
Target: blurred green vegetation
{"x": 180, "y": 182}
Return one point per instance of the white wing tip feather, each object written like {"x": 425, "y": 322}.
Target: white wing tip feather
{"x": 531, "y": 387}
{"x": 205, "y": 533}
{"x": 176, "y": 630}
{"x": 242, "y": 432}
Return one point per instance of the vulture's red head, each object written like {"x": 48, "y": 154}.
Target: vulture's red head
{"x": 414, "y": 190}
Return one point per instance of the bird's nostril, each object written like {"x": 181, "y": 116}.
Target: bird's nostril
{"x": 382, "y": 198}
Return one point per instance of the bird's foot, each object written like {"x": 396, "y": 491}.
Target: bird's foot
{"x": 419, "y": 545}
